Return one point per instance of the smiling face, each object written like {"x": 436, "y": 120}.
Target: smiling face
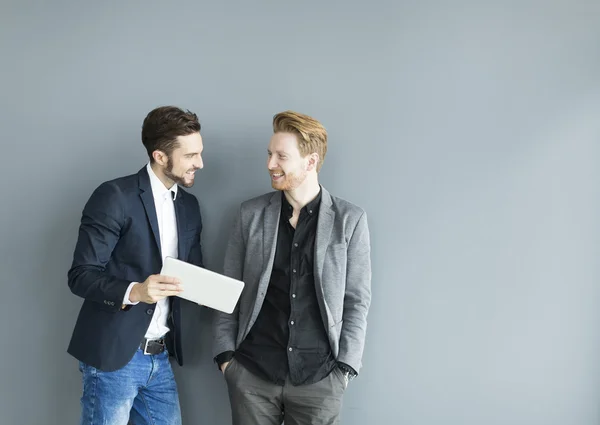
{"x": 172, "y": 139}
{"x": 287, "y": 167}
{"x": 185, "y": 160}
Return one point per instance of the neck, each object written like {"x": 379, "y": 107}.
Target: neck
{"x": 161, "y": 176}
{"x": 303, "y": 194}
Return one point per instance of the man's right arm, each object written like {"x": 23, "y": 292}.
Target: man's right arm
{"x": 225, "y": 327}
{"x": 101, "y": 223}
{"x": 100, "y": 229}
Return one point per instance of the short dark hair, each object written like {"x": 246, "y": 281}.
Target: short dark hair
{"x": 163, "y": 125}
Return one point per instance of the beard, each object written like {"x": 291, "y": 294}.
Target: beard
{"x": 289, "y": 181}
{"x": 179, "y": 180}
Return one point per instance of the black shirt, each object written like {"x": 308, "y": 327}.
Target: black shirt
{"x": 289, "y": 335}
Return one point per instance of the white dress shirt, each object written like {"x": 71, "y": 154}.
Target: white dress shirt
{"x": 167, "y": 227}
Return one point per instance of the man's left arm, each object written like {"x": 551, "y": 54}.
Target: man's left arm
{"x": 357, "y": 298}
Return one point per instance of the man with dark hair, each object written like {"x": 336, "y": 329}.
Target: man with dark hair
{"x": 129, "y": 322}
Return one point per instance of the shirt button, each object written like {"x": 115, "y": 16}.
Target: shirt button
{"x": 293, "y": 295}
{"x": 310, "y": 211}
{"x": 149, "y": 311}
{"x": 292, "y": 322}
{"x": 290, "y": 348}
{"x": 296, "y": 245}
{"x": 294, "y": 270}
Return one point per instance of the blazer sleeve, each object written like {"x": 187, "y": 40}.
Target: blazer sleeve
{"x": 357, "y": 297}
{"x": 101, "y": 223}
{"x": 225, "y": 327}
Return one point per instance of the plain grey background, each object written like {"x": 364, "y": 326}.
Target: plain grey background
{"x": 469, "y": 132}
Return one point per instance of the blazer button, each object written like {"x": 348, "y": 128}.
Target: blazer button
{"x": 149, "y": 311}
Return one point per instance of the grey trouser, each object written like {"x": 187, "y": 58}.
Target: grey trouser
{"x": 258, "y": 402}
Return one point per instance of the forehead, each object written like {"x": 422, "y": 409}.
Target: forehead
{"x": 191, "y": 143}
{"x": 284, "y": 142}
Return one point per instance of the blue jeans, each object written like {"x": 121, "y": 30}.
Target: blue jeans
{"x": 142, "y": 392}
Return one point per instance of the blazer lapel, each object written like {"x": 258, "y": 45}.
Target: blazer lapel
{"x": 324, "y": 229}
{"x": 270, "y": 227}
{"x": 148, "y": 201}
{"x": 181, "y": 220}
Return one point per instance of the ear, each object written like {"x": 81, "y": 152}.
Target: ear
{"x": 313, "y": 161}
{"x": 160, "y": 157}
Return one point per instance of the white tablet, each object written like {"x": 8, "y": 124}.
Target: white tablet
{"x": 203, "y": 286}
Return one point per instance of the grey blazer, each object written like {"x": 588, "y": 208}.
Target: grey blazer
{"x": 342, "y": 272}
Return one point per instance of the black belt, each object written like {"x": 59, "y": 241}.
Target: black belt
{"x": 153, "y": 346}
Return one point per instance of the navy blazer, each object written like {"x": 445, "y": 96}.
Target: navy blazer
{"x": 119, "y": 243}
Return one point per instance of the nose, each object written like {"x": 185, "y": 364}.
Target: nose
{"x": 271, "y": 163}
{"x": 199, "y": 164}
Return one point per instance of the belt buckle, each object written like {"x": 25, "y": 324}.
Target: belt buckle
{"x": 159, "y": 342}
{"x": 146, "y": 347}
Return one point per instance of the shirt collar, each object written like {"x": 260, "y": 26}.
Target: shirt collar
{"x": 158, "y": 188}
{"x": 311, "y": 208}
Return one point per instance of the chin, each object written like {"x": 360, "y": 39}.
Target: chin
{"x": 185, "y": 182}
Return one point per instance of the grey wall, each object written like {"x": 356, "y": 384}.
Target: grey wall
{"x": 469, "y": 133}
